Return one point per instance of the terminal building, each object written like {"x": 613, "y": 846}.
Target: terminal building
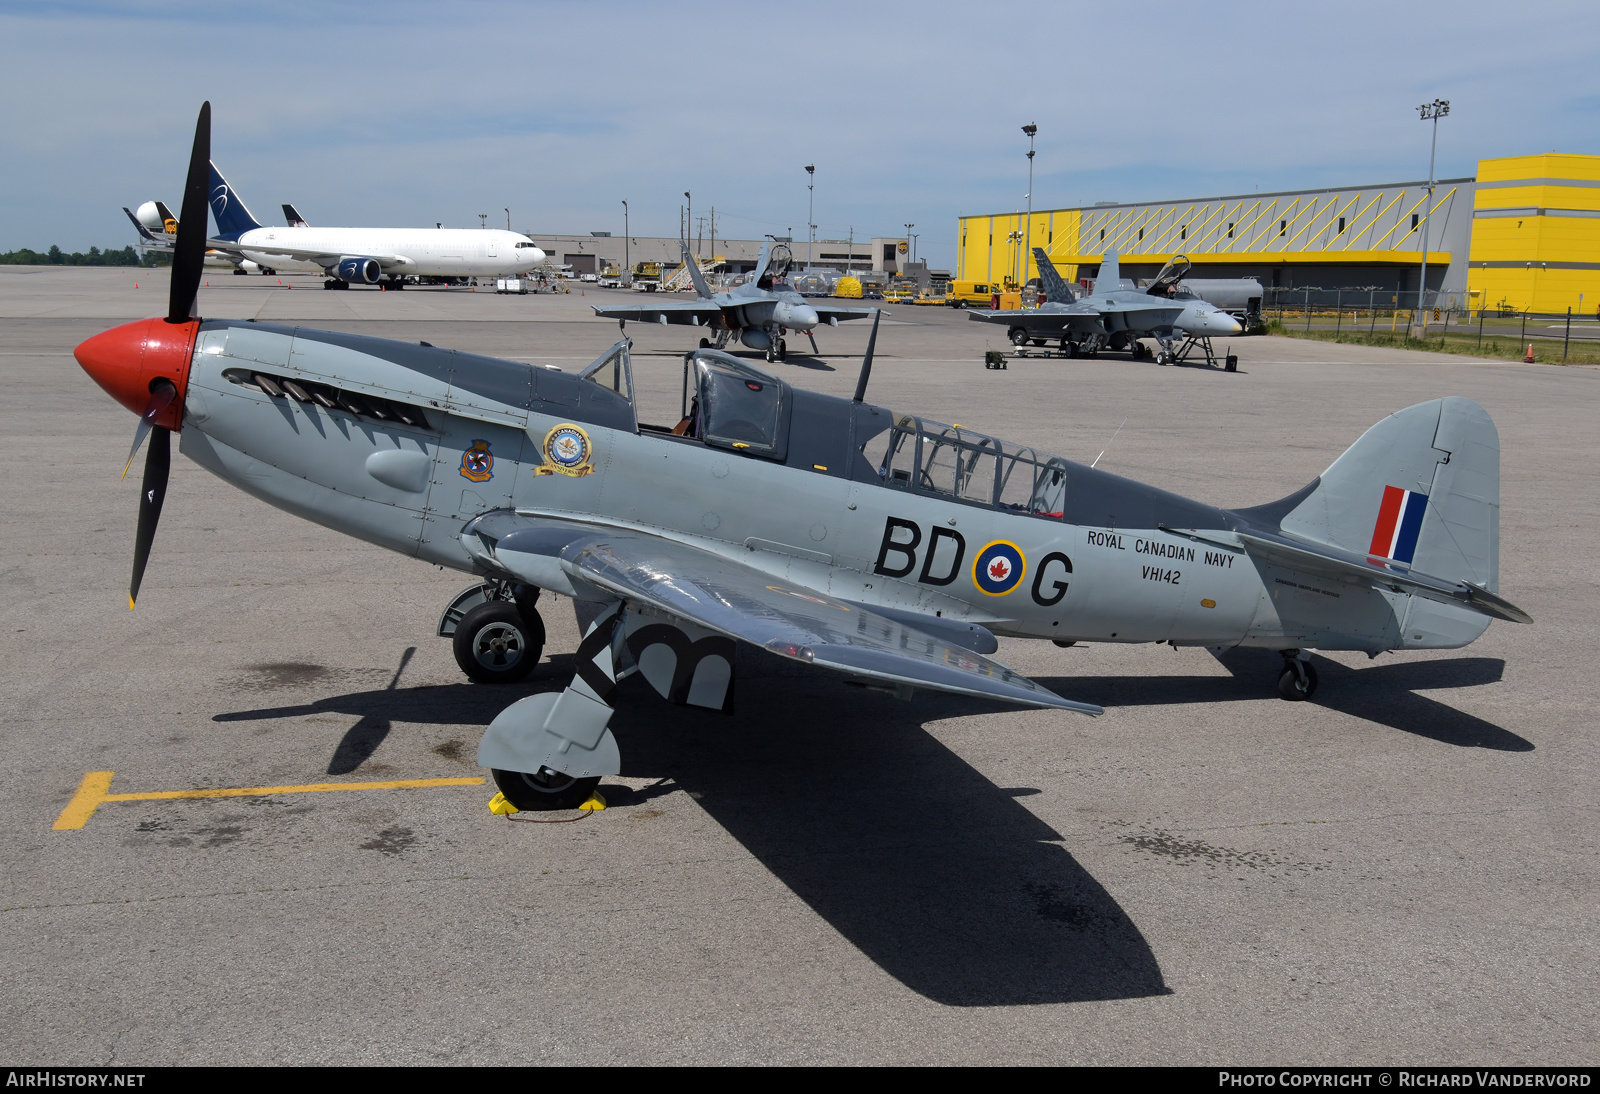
{"x": 1523, "y": 234}
{"x": 594, "y": 252}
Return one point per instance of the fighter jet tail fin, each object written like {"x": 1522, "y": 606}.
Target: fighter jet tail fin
{"x": 233, "y": 219}
{"x": 1056, "y": 290}
{"x": 695, "y": 275}
{"x": 1110, "y": 276}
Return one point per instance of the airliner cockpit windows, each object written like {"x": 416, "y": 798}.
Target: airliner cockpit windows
{"x": 525, "y": 244}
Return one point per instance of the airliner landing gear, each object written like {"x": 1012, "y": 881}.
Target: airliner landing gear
{"x": 1298, "y": 680}
{"x": 335, "y": 283}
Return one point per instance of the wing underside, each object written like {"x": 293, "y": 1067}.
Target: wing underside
{"x": 789, "y": 620}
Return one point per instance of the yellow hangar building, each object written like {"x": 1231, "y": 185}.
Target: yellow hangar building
{"x": 1524, "y": 234}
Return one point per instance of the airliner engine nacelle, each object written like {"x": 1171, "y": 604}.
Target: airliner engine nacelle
{"x": 150, "y": 217}
{"x": 755, "y": 339}
{"x": 358, "y": 270}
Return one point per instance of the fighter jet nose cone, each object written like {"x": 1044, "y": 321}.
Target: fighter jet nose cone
{"x": 126, "y": 360}
{"x": 1238, "y": 327}
{"x": 805, "y": 316}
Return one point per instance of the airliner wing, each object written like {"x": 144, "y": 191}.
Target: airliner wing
{"x": 790, "y": 620}
{"x": 698, "y": 313}
{"x": 307, "y": 254}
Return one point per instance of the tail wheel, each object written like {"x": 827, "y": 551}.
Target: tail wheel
{"x": 1295, "y": 689}
{"x": 544, "y": 789}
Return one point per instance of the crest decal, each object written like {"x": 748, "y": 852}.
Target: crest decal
{"x": 998, "y": 568}
{"x": 567, "y": 451}
{"x": 477, "y": 462}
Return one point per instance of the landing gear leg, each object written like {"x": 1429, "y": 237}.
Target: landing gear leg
{"x": 783, "y": 350}
{"x": 548, "y": 751}
{"x": 722, "y": 338}
{"x": 1298, "y": 681}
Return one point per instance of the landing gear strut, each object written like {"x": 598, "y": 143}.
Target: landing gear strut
{"x": 1298, "y": 681}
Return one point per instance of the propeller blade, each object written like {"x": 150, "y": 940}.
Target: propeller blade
{"x": 154, "y": 491}
{"x": 866, "y": 361}
{"x": 160, "y": 399}
{"x": 189, "y": 250}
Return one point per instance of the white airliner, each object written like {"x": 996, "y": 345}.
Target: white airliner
{"x": 365, "y": 256}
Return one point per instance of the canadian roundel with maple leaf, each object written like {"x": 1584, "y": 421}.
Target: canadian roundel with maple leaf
{"x": 998, "y": 568}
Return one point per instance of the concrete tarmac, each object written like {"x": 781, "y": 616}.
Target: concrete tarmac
{"x": 1400, "y": 871}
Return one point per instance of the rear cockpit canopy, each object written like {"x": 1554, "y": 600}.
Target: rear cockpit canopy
{"x": 952, "y": 461}
{"x": 736, "y": 404}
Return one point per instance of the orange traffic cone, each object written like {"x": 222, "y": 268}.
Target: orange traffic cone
{"x": 1528, "y": 360}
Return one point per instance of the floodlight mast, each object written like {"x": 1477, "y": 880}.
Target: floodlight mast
{"x": 811, "y": 212}
{"x": 1030, "y": 129}
{"x": 627, "y": 266}
{"x": 1433, "y": 111}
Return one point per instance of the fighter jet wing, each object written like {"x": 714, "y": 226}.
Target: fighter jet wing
{"x": 828, "y": 313}
{"x": 1083, "y": 322}
{"x": 306, "y": 254}
{"x": 698, "y": 313}
{"x": 789, "y": 620}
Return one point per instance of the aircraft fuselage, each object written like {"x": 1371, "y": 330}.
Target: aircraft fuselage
{"x": 1080, "y": 556}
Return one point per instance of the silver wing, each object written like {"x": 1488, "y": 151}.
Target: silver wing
{"x": 695, "y": 313}
{"x": 780, "y": 616}
{"x": 828, "y": 314}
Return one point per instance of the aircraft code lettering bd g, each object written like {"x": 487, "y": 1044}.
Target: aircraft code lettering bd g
{"x": 879, "y": 600}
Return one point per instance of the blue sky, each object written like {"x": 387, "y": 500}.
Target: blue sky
{"x": 412, "y": 113}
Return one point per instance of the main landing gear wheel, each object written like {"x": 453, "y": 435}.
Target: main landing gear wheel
{"x": 544, "y": 790}
{"x": 1298, "y": 681}
{"x": 1018, "y": 336}
{"x": 783, "y": 350}
{"x": 495, "y": 644}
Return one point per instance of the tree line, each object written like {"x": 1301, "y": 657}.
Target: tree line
{"x": 55, "y": 256}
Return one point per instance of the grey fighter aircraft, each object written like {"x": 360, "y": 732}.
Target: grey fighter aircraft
{"x": 872, "y": 545}
{"x": 760, "y": 312}
{"x": 1115, "y": 316}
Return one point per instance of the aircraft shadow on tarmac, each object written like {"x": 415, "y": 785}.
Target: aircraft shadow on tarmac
{"x": 1385, "y": 694}
{"x": 943, "y": 879}
{"x": 937, "y": 875}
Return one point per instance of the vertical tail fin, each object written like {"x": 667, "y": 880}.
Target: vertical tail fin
{"x": 1056, "y": 290}
{"x": 695, "y": 276}
{"x": 1110, "y": 276}
{"x": 1421, "y": 489}
{"x": 233, "y": 219}
{"x": 292, "y": 217}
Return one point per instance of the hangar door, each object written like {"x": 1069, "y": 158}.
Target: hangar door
{"x": 582, "y": 264}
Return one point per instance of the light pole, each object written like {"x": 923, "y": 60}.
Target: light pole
{"x": 483, "y": 220}
{"x": 1030, "y": 129}
{"x": 1430, "y": 112}
{"x": 908, "y": 238}
{"x": 811, "y": 211}
{"x": 688, "y": 222}
{"x": 508, "y": 219}
{"x": 913, "y": 248}
{"x": 627, "y": 264}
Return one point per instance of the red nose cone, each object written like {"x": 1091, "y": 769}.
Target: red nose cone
{"x": 127, "y": 360}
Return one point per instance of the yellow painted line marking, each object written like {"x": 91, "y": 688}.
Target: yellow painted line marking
{"x": 96, "y": 785}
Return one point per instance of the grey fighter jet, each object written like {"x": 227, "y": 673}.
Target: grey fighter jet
{"x": 1116, "y": 316}
{"x": 760, "y": 312}
{"x": 874, "y": 546}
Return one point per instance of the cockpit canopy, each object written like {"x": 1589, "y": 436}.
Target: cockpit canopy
{"x": 735, "y": 404}
{"x": 950, "y": 460}
{"x": 779, "y": 261}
